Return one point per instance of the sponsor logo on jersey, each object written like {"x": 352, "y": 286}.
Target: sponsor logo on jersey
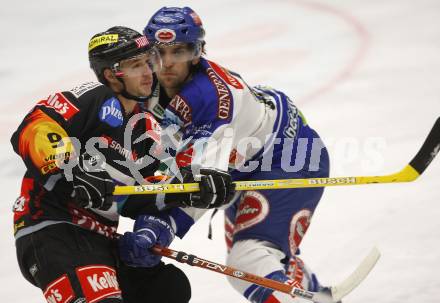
{"x": 51, "y": 167}
{"x": 181, "y": 107}
{"x": 298, "y": 227}
{"x": 116, "y": 146}
{"x": 21, "y": 205}
{"x": 80, "y": 90}
{"x": 40, "y": 138}
{"x": 225, "y": 75}
{"x": 61, "y": 105}
{"x": 199, "y": 131}
{"x": 223, "y": 94}
{"x": 141, "y": 41}
{"x": 111, "y": 112}
{"x": 291, "y": 129}
{"x": 253, "y": 209}
{"x": 104, "y": 39}
{"x": 158, "y": 111}
{"x": 98, "y": 282}
{"x": 59, "y": 291}
{"x": 165, "y": 35}
{"x": 61, "y": 156}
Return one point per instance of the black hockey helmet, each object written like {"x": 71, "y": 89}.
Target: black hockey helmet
{"x": 107, "y": 49}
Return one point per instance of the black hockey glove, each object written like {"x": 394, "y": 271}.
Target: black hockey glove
{"x": 93, "y": 187}
{"x": 216, "y": 189}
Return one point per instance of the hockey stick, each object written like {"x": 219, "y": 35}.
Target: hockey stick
{"x": 327, "y": 295}
{"x": 409, "y": 173}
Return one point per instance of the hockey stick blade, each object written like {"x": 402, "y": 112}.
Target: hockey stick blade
{"x": 357, "y": 276}
{"x": 335, "y": 293}
{"x": 427, "y": 153}
{"x": 327, "y": 295}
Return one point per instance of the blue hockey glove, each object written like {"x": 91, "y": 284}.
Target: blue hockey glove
{"x": 134, "y": 247}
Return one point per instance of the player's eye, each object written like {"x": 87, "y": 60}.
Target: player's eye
{"x": 179, "y": 52}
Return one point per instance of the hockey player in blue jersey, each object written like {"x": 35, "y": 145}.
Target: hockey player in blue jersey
{"x": 255, "y": 133}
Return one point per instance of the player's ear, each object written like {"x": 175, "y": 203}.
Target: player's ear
{"x": 109, "y": 76}
{"x": 195, "y": 61}
{"x": 112, "y": 81}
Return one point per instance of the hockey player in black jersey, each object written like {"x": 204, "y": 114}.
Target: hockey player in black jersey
{"x": 77, "y": 145}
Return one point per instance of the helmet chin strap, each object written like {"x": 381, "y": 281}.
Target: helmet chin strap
{"x": 132, "y": 97}
{"x": 127, "y": 95}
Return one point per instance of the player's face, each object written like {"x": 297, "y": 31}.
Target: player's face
{"x": 176, "y": 62}
{"x": 137, "y": 73}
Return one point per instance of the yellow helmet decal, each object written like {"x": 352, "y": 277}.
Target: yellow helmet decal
{"x": 100, "y": 40}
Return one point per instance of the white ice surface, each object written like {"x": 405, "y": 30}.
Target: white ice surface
{"x": 365, "y": 73}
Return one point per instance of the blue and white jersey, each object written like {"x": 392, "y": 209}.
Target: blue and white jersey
{"x": 225, "y": 124}
{"x": 238, "y": 121}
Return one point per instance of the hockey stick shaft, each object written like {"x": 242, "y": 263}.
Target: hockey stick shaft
{"x": 223, "y": 269}
{"x": 336, "y": 294}
{"x": 409, "y": 173}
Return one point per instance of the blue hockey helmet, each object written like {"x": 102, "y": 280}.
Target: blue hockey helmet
{"x": 171, "y": 25}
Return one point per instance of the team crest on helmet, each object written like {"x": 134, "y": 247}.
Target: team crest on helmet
{"x": 165, "y": 35}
